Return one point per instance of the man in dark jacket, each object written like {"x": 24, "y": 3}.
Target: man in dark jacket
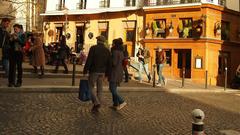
{"x": 97, "y": 64}
{"x": 4, "y": 44}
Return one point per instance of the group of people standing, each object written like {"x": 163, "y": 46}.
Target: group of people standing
{"x": 14, "y": 47}
{"x": 103, "y": 63}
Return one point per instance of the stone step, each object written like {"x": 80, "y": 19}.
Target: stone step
{"x": 46, "y": 75}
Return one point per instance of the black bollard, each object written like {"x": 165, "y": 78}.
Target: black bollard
{"x": 183, "y": 76}
{"x": 154, "y": 75}
{"x": 225, "y": 83}
{"x": 73, "y": 73}
{"x": 206, "y": 79}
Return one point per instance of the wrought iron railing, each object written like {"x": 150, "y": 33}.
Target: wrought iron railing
{"x": 169, "y": 2}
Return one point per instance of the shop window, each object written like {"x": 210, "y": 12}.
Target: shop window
{"x": 130, "y": 35}
{"x": 225, "y": 30}
{"x": 185, "y": 28}
{"x": 168, "y": 57}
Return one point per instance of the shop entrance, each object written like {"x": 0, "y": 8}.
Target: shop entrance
{"x": 183, "y": 57}
{"x": 79, "y": 38}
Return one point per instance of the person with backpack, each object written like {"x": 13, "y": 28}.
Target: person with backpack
{"x": 160, "y": 60}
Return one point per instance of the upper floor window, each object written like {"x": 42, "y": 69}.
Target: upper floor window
{"x": 225, "y": 30}
{"x": 222, "y": 2}
{"x": 81, "y": 4}
{"x": 130, "y": 2}
{"x": 159, "y": 28}
{"x": 104, "y": 3}
{"x": 185, "y": 28}
{"x": 61, "y": 5}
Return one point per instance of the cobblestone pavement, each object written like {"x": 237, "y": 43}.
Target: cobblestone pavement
{"x": 147, "y": 113}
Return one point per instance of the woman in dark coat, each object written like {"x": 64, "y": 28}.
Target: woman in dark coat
{"x": 62, "y": 54}
{"x": 116, "y": 73}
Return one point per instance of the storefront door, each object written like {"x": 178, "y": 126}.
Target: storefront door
{"x": 183, "y": 62}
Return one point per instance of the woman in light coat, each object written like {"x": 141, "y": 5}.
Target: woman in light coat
{"x": 38, "y": 55}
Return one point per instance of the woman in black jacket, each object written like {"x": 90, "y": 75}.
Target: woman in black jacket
{"x": 63, "y": 52}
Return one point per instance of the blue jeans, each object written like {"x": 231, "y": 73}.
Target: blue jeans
{"x": 5, "y": 63}
{"x": 117, "y": 99}
{"x": 161, "y": 78}
{"x": 142, "y": 67}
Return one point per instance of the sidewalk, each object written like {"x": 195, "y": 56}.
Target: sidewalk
{"x": 60, "y": 81}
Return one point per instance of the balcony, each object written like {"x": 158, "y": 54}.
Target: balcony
{"x": 104, "y": 4}
{"x": 130, "y": 3}
{"x": 168, "y": 2}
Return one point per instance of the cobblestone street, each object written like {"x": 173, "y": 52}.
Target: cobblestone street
{"x": 147, "y": 113}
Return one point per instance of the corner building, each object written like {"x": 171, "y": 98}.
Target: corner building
{"x": 198, "y": 36}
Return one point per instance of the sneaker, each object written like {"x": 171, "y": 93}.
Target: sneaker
{"x": 121, "y": 105}
{"x": 159, "y": 84}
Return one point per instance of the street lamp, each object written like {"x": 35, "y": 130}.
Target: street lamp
{"x": 65, "y": 11}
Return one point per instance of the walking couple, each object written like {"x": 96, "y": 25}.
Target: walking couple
{"x": 102, "y": 63}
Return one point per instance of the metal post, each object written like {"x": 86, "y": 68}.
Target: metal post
{"x": 73, "y": 73}
{"x": 225, "y": 84}
{"x": 154, "y": 74}
{"x": 183, "y": 76}
{"x": 206, "y": 79}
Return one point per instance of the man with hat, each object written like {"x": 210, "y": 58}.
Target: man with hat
{"x": 97, "y": 64}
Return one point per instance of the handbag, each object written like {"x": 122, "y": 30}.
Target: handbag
{"x": 84, "y": 92}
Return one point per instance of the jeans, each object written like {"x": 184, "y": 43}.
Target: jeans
{"x": 15, "y": 63}
{"x": 5, "y": 63}
{"x": 96, "y": 78}
{"x": 117, "y": 99}
{"x": 161, "y": 78}
{"x": 142, "y": 67}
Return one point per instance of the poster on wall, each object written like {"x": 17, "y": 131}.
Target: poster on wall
{"x": 198, "y": 62}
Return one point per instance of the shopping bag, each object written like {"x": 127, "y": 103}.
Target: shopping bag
{"x": 84, "y": 92}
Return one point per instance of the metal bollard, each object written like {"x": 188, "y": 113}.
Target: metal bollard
{"x": 154, "y": 75}
{"x": 183, "y": 76}
{"x": 197, "y": 124}
{"x": 74, "y": 69}
{"x": 225, "y": 83}
{"x": 206, "y": 79}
